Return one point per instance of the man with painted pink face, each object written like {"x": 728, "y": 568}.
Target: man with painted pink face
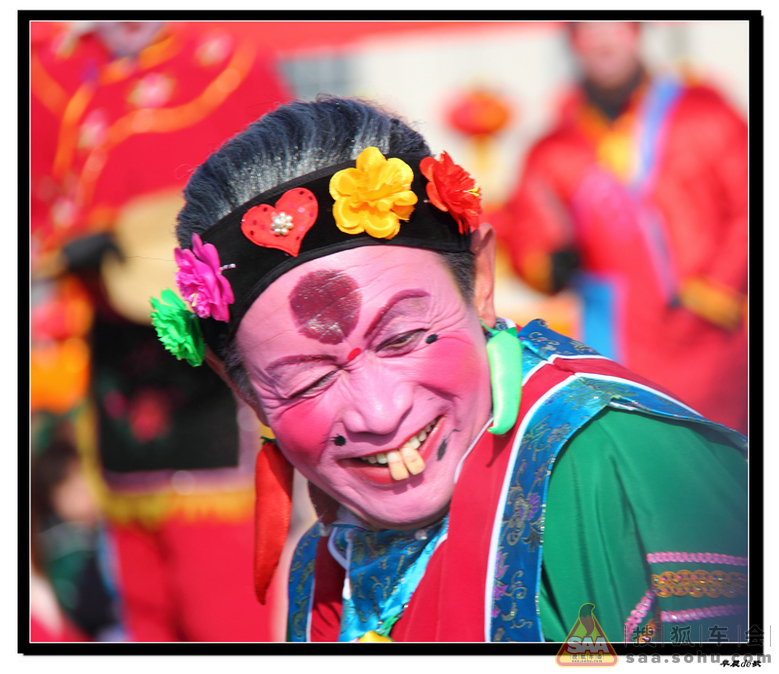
{"x": 338, "y": 277}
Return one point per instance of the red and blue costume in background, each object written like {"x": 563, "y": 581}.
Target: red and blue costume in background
{"x": 653, "y": 208}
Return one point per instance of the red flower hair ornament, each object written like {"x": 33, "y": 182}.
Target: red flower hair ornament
{"x": 451, "y": 188}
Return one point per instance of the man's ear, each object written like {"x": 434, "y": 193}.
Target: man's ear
{"x": 483, "y": 245}
{"x": 218, "y": 366}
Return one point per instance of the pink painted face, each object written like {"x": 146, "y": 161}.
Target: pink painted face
{"x": 372, "y": 373}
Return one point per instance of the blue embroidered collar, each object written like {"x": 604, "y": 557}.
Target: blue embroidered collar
{"x": 383, "y": 568}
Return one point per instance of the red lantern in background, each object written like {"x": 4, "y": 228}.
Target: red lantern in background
{"x": 479, "y": 112}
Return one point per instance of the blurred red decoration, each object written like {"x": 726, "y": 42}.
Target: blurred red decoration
{"x": 59, "y": 375}
{"x": 59, "y": 354}
{"x": 479, "y": 113}
{"x": 149, "y": 415}
{"x": 65, "y": 311}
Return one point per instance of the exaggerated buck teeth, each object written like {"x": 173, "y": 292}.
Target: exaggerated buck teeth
{"x": 406, "y": 460}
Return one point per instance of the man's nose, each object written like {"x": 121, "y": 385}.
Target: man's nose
{"x": 380, "y": 399}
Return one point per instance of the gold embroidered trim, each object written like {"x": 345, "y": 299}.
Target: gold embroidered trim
{"x": 648, "y": 632}
{"x": 152, "y": 509}
{"x": 699, "y": 583}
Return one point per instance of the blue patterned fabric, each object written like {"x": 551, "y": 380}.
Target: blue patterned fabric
{"x": 301, "y": 584}
{"x": 384, "y": 569}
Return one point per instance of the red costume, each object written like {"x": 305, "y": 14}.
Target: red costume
{"x": 109, "y": 128}
{"x": 40, "y": 632}
{"x": 654, "y": 204}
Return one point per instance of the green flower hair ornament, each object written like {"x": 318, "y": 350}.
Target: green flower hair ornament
{"x": 178, "y": 328}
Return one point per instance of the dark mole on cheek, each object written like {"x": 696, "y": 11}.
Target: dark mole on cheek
{"x": 326, "y": 305}
{"x": 339, "y": 440}
{"x": 444, "y": 443}
{"x": 431, "y": 338}
{"x": 442, "y": 449}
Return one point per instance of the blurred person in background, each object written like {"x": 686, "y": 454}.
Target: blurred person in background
{"x": 637, "y": 199}
{"x": 69, "y": 598}
{"x": 121, "y": 112}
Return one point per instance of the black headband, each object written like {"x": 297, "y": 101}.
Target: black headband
{"x": 251, "y": 267}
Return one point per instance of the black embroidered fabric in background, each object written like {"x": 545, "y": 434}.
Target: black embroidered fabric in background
{"x": 156, "y": 412}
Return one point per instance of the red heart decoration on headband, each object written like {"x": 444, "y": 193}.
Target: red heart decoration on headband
{"x": 262, "y": 224}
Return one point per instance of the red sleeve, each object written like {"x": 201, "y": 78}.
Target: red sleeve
{"x": 727, "y": 136}
{"x": 536, "y": 221}
{"x": 707, "y": 127}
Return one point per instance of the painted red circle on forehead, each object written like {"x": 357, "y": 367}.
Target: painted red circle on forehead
{"x": 326, "y": 305}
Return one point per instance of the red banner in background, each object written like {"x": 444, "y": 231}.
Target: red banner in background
{"x": 284, "y": 37}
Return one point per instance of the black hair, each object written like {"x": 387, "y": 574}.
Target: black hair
{"x": 291, "y": 141}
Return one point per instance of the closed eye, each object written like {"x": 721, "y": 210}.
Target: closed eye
{"x": 401, "y": 342}
{"x": 315, "y": 387}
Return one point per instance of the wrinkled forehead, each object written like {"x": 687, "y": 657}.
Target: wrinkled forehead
{"x": 327, "y": 297}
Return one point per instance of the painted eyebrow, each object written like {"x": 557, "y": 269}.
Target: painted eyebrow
{"x": 388, "y": 310}
{"x": 294, "y": 360}
{"x": 385, "y": 314}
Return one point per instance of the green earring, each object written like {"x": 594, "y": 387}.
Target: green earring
{"x": 504, "y": 353}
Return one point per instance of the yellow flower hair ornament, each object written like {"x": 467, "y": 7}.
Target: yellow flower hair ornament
{"x": 373, "y": 197}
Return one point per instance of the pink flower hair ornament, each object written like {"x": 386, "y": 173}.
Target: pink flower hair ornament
{"x": 200, "y": 280}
